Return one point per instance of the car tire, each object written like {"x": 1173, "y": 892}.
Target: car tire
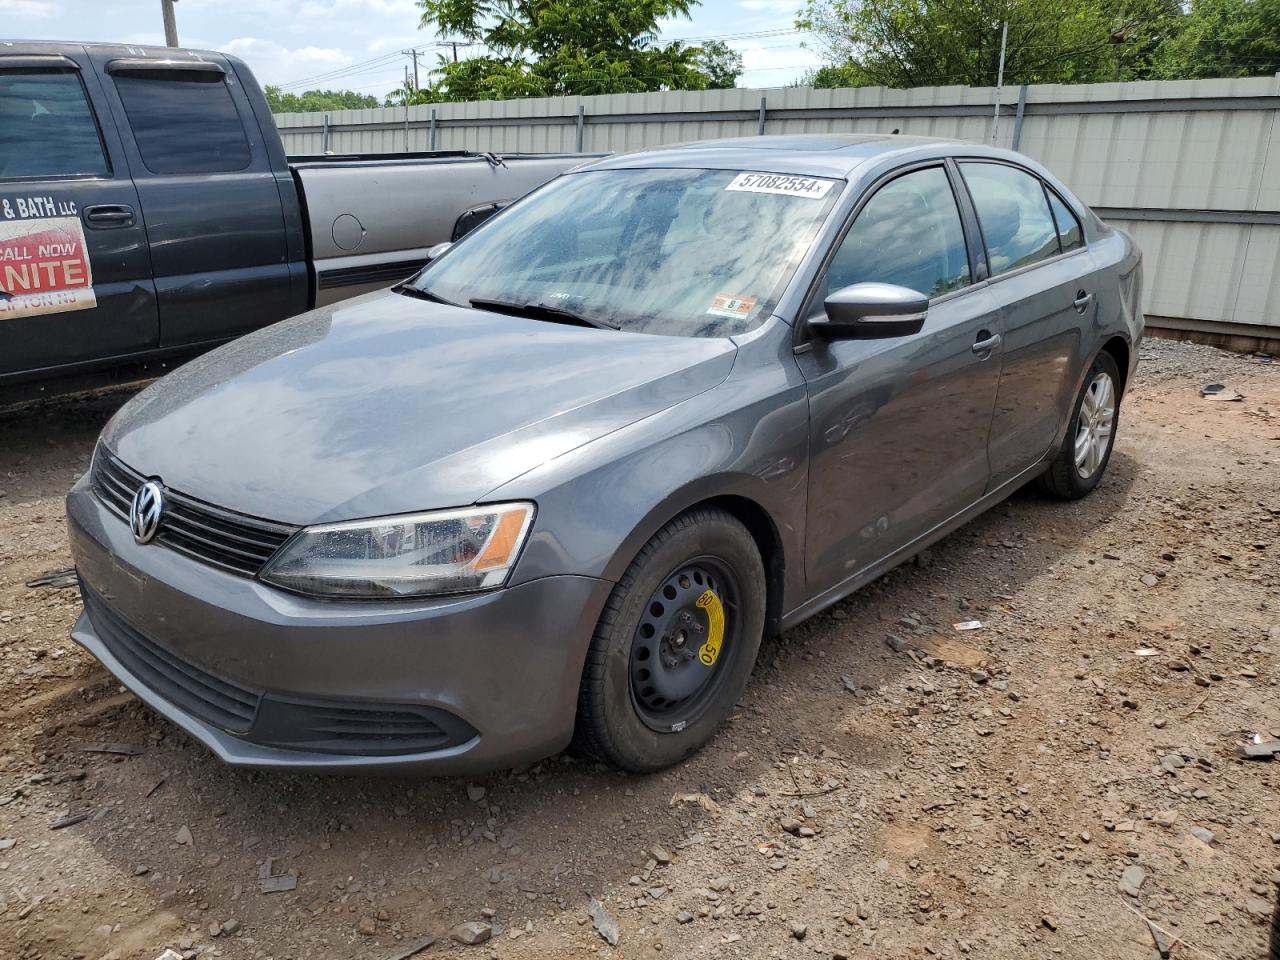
{"x": 656, "y": 636}
{"x": 1086, "y": 450}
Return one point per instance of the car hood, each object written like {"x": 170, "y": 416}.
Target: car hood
{"x": 386, "y": 404}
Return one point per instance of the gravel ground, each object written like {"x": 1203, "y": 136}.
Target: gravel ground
{"x": 1062, "y": 782}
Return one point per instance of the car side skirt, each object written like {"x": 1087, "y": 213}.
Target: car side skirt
{"x": 864, "y": 576}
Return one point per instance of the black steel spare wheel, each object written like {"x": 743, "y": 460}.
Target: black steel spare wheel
{"x": 684, "y": 644}
{"x": 674, "y": 646}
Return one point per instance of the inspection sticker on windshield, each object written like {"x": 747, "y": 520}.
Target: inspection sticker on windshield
{"x": 735, "y": 308}
{"x": 814, "y": 188}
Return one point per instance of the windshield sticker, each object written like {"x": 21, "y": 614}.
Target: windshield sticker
{"x": 814, "y": 188}
{"x": 44, "y": 265}
{"x": 735, "y": 308}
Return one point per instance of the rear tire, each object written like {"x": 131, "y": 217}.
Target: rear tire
{"x": 660, "y": 677}
{"x": 1086, "y": 450}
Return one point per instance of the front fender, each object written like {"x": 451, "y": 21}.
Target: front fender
{"x": 598, "y": 505}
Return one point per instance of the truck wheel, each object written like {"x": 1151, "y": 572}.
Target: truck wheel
{"x": 1086, "y": 451}
{"x": 674, "y": 648}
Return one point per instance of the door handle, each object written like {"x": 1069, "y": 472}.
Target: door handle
{"x": 986, "y": 345}
{"x": 108, "y": 215}
{"x": 1082, "y": 301}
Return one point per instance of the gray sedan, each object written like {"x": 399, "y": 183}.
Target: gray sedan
{"x": 557, "y": 487}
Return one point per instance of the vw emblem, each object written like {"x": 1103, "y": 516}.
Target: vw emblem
{"x": 146, "y": 510}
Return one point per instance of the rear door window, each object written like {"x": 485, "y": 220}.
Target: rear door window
{"x": 1070, "y": 235}
{"x": 184, "y": 125}
{"x": 908, "y": 234}
{"x": 47, "y": 128}
{"x": 1013, "y": 213}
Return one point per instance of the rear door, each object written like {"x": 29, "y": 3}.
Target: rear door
{"x": 204, "y": 178}
{"x": 75, "y": 273}
{"x": 1043, "y": 284}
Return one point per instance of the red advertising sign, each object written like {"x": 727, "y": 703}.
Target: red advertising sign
{"x": 44, "y": 267}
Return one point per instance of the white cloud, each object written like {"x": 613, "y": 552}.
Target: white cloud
{"x": 392, "y": 41}
{"x": 29, "y": 8}
{"x": 343, "y": 8}
{"x": 274, "y": 63}
{"x": 782, "y": 8}
{"x": 773, "y": 65}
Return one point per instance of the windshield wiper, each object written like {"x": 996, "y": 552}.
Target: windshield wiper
{"x": 409, "y": 290}
{"x": 543, "y": 311}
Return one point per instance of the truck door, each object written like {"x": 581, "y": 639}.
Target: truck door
{"x": 204, "y": 177}
{"x": 75, "y": 273}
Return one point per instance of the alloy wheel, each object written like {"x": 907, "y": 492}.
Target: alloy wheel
{"x": 1095, "y": 425}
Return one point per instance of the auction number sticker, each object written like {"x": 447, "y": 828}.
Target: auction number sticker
{"x": 813, "y": 188}
{"x": 44, "y": 263}
{"x": 735, "y": 308}
{"x": 709, "y": 652}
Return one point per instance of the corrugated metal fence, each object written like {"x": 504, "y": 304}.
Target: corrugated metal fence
{"x": 1191, "y": 168}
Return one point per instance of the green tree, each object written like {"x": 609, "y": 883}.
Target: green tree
{"x": 280, "y": 102}
{"x": 721, "y": 63}
{"x": 557, "y": 47}
{"x": 911, "y": 43}
{"x": 1137, "y": 30}
{"x": 836, "y": 75}
{"x": 1224, "y": 38}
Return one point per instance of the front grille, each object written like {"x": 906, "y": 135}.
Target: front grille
{"x": 200, "y": 693}
{"x": 224, "y": 538}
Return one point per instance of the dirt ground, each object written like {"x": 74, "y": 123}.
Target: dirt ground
{"x": 1042, "y": 786}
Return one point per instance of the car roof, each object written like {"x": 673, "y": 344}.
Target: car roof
{"x": 807, "y": 154}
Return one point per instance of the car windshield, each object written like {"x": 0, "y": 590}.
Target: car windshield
{"x": 699, "y": 253}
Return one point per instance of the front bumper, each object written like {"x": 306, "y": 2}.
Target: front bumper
{"x": 266, "y": 679}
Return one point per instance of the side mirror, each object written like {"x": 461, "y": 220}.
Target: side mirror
{"x": 866, "y": 311}
{"x": 433, "y": 252}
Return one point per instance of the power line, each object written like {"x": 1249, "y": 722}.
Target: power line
{"x": 350, "y": 69}
{"x": 758, "y": 34}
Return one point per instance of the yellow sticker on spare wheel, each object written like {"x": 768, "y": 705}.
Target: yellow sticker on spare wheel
{"x": 710, "y": 650}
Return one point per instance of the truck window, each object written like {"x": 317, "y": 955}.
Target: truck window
{"x": 47, "y": 129}
{"x": 184, "y": 125}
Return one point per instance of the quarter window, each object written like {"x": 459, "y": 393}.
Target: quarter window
{"x": 908, "y": 234}
{"x": 187, "y": 125}
{"x": 47, "y": 129}
{"x": 1016, "y": 223}
{"x": 1070, "y": 236}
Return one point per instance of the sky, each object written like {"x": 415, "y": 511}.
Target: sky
{"x": 356, "y": 44}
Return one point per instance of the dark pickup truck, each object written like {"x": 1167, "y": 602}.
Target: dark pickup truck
{"x": 148, "y": 212}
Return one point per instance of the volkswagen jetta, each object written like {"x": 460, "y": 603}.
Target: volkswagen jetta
{"x": 559, "y": 485}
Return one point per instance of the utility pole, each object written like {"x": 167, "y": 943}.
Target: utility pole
{"x": 170, "y": 23}
{"x": 455, "y": 51}
{"x": 995, "y": 121}
{"x": 415, "y": 55}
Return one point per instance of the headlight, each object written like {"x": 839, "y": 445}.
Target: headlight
{"x": 417, "y": 555}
